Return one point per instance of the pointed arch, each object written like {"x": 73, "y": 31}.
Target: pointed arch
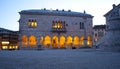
{"x": 81, "y": 40}
{"x": 89, "y": 41}
{"x": 76, "y": 41}
{"x": 24, "y": 41}
{"x": 47, "y": 41}
{"x": 32, "y": 41}
{"x": 55, "y": 42}
{"x": 69, "y": 41}
{"x": 62, "y": 42}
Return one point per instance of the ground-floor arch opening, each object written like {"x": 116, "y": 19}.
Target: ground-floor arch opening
{"x": 32, "y": 41}
{"x": 81, "y": 41}
{"x": 76, "y": 41}
{"x": 55, "y": 42}
{"x": 47, "y": 41}
{"x": 24, "y": 41}
{"x": 62, "y": 42}
{"x": 69, "y": 42}
{"x": 89, "y": 41}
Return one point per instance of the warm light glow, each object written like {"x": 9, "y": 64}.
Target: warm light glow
{"x": 32, "y": 24}
{"x": 24, "y": 40}
{"x": 5, "y": 42}
{"x": 4, "y": 47}
{"x": 16, "y": 47}
{"x": 55, "y": 42}
{"x": 76, "y": 41}
{"x": 82, "y": 41}
{"x": 62, "y": 42}
{"x": 41, "y": 40}
{"x": 47, "y": 41}
{"x": 69, "y": 41}
{"x": 89, "y": 41}
{"x": 57, "y": 25}
{"x": 35, "y": 24}
{"x": 10, "y": 47}
{"x": 32, "y": 40}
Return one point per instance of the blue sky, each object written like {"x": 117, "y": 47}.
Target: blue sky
{"x": 9, "y": 9}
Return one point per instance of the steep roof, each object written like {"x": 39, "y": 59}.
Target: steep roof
{"x": 114, "y": 7}
{"x": 55, "y": 12}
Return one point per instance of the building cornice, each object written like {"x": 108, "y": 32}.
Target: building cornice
{"x": 55, "y": 13}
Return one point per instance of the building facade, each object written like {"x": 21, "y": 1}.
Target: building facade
{"x": 8, "y": 39}
{"x": 54, "y": 29}
{"x": 112, "y": 39}
{"x": 98, "y": 33}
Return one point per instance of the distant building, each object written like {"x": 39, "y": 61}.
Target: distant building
{"x": 8, "y": 39}
{"x": 98, "y": 32}
{"x": 112, "y": 39}
{"x": 55, "y": 29}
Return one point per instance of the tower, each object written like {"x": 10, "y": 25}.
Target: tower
{"x": 112, "y": 38}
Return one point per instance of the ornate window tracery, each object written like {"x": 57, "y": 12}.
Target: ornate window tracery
{"x": 32, "y": 23}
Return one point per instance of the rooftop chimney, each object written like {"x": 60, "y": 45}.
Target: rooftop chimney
{"x": 114, "y": 5}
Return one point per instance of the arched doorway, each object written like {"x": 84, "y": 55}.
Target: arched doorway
{"x": 69, "y": 42}
{"x": 89, "y": 41}
{"x": 82, "y": 41}
{"x": 76, "y": 41}
{"x": 32, "y": 41}
{"x": 62, "y": 42}
{"x": 47, "y": 41}
{"x": 55, "y": 42}
{"x": 24, "y": 41}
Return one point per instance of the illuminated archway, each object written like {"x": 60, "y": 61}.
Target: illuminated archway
{"x": 69, "y": 41}
{"x": 76, "y": 41}
{"x": 81, "y": 40}
{"x": 47, "y": 41}
{"x": 55, "y": 42}
{"x": 24, "y": 41}
{"x": 32, "y": 41}
{"x": 62, "y": 42}
{"x": 89, "y": 41}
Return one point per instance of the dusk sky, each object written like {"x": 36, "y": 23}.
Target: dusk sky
{"x": 9, "y": 9}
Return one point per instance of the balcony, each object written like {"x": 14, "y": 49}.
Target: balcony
{"x": 59, "y": 30}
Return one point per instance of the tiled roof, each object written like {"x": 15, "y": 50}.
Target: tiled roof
{"x": 6, "y": 31}
{"x": 55, "y": 12}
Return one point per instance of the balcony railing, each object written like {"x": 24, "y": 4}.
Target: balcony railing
{"x": 59, "y": 30}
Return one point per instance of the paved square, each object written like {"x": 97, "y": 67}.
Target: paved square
{"x": 59, "y": 59}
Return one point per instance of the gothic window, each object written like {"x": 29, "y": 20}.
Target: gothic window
{"x": 58, "y": 24}
{"x": 32, "y": 23}
{"x": 81, "y": 25}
